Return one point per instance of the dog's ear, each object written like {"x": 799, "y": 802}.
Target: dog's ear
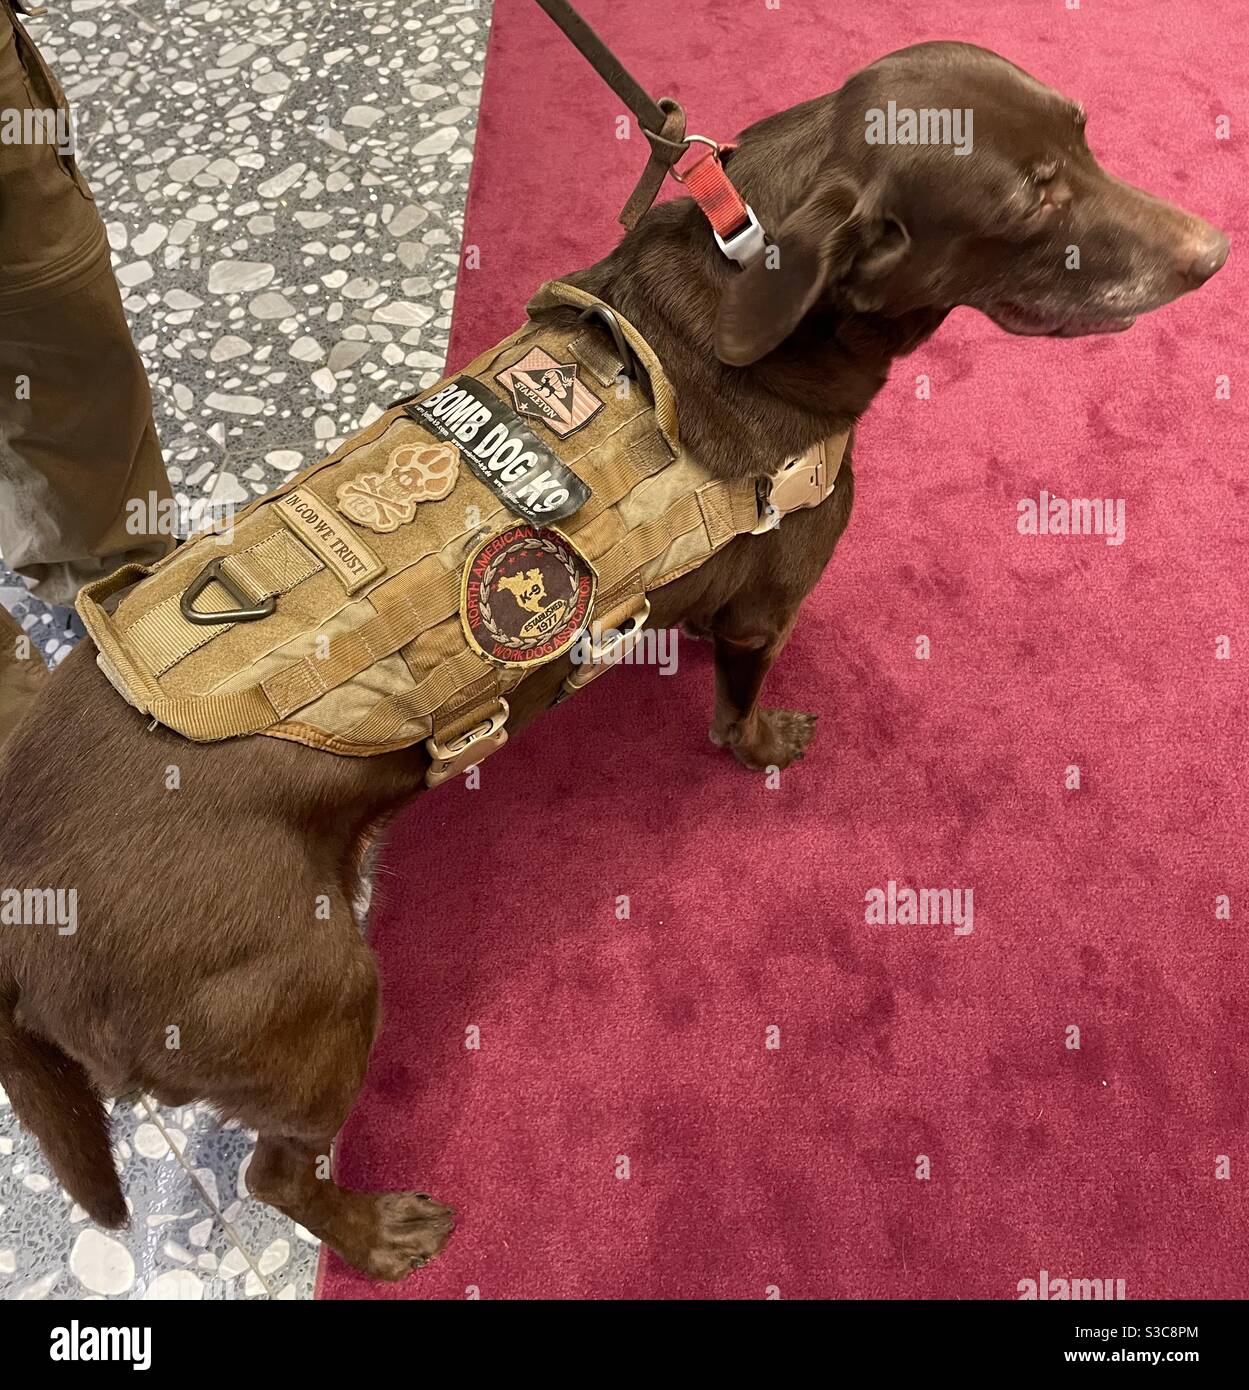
{"x": 762, "y": 305}
{"x": 884, "y": 240}
{"x": 835, "y": 234}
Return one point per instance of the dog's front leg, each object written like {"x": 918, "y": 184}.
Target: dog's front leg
{"x": 385, "y": 1234}
{"x": 760, "y": 738}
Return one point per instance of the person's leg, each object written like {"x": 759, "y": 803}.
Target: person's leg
{"x": 77, "y": 443}
{"x": 78, "y": 446}
{"x": 21, "y": 673}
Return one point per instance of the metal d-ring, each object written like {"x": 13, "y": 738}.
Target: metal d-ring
{"x": 213, "y": 571}
{"x": 713, "y": 145}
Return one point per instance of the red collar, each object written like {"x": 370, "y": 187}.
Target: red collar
{"x": 737, "y": 230}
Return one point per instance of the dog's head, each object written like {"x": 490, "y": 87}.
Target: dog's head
{"x": 944, "y": 175}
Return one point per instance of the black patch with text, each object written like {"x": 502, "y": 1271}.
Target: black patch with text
{"x": 502, "y": 451}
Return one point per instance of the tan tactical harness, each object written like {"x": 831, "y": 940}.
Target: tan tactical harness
{"x": 353, "y": 609}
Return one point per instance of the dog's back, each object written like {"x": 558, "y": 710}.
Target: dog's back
{"x": 141, "y": 883}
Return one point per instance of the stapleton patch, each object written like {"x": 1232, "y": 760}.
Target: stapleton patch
{"x": 550, "y": 392}
{"x": 526, "y": 596}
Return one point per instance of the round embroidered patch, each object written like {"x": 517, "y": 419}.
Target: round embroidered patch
{"x": 526, "y": 595}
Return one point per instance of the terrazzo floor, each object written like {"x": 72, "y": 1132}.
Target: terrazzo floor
{"x": 283, "y": 183}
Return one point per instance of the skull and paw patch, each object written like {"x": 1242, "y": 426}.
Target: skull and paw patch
{"x": 414, "y": 473}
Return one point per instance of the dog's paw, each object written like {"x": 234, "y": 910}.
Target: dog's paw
{"x": 409, "y": 1230}
{"x": 773, "y": 738}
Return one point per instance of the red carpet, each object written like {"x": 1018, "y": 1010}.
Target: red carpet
{"x": 641, "y": 1046}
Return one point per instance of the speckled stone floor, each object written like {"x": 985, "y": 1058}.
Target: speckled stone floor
{"x": 283, "y": 183}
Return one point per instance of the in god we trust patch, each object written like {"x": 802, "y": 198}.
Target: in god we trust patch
{"x": 550, "y": 392}
{"x": 526, "y": 596}
{"x": 502, "y": 451}
{"x": 323, "y": 531}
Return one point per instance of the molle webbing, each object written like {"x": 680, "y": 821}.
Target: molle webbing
{"x": 391, "y": 593}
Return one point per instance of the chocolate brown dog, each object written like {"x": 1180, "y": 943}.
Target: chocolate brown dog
{"x": 196, "y": 908}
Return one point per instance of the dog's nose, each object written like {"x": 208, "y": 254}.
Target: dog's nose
{"x": 1202, "y": 255}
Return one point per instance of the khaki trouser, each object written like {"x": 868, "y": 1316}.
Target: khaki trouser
{"x": 21, "y": 673}
{"x": 77, "y": 440}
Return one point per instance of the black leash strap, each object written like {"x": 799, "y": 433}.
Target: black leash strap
{"x": 662, "y": 121}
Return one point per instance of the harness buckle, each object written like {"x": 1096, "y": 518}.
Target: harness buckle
{"x": 466, "y": 750}
{"x": 605, "y": 653}
{"x": 213, "y": 571}
{"x": 802, "y": 482}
